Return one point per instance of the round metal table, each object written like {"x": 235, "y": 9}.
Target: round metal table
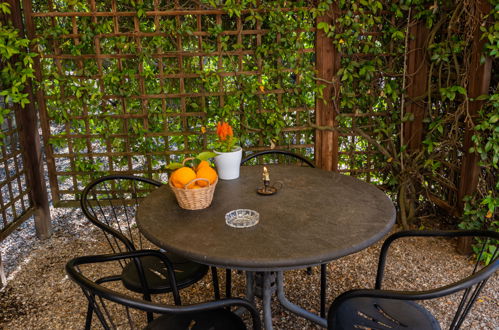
{"x": 317, "y": 216}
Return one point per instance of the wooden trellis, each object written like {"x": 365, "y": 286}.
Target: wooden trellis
{"x": 154, "y": 99}
{"x": 170, "y": 106}
{"x": 15, "y": 201}
{"x": 345, "y": 150}
{"x": 163, "y": 92}
{"x": 22, "y": 189}
{"x": 460, "y": 170}
{"x": 23, "y": 192}
{"x": 155, "y": 113}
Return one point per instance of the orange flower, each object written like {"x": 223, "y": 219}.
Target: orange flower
{"x": 224, "y": 130}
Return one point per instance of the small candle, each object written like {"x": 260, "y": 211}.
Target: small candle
{"x": 266, "y": 176}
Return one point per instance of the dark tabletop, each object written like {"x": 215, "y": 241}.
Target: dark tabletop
{"x": 316, "y": 217}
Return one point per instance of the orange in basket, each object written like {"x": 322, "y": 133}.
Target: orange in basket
{"x": 194, "y": 190}
{"x": 196, "y": 198}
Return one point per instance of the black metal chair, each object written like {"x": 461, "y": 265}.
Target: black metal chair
{"x": 117, "y": 310}
{"x": 276, "y": 157}
{"x": 110, "y": 203}
{"x": 386, "y": 309}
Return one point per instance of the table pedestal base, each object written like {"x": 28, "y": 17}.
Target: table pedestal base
{"x": 293, "y": 307}
{"x": 259, "y": 283}
{"x": 268, "y": 290}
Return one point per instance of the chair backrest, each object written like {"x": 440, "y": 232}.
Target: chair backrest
{"x": 471, "y": 286}
{"x": 110, "y": 203}
{"x": 116, "y": 309}
{"x": 276, "y": 157}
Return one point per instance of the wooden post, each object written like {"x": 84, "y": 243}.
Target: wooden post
{"x": 479, "y": 82}
{"x": 42, "y": 108}
{"x": 417, "y": 85}
{"x": 327, "y": 64}
{"x": 30, "y": 144}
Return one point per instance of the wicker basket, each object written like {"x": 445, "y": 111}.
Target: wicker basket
{"x": 194, "y": 199}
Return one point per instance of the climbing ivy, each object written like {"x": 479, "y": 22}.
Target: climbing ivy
{"x": 480, "y": 211}
{"x": 259, "y": 92}
{"x": 374, "y": 85}
{"x": 16, "y": 66}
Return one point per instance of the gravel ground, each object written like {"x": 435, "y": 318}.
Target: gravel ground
{"x": 39, "y": 295}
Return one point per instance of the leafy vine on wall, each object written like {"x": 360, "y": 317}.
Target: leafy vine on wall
{"x": 121, "y": 83}
{"x": 16, "y": 65}
{"x": 144, "y": 85}
{"x": 380, "y": 82}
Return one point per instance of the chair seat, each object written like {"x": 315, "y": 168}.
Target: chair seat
{"x": 383, "y": 314}
{"x": 187, "y": 273}
{"x": 218, "y": 319}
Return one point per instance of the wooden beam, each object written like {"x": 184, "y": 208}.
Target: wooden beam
{"x": 327, "y": 65}
{"x": 417, "y": 85}
{"x": 479, "y": 82}
{"x": 30, "y": 144}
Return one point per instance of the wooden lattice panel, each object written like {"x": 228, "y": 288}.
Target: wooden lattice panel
{"x": 15, "y": 201}
{"x": 151, "y": 83}
{"x": 363, "y": 100}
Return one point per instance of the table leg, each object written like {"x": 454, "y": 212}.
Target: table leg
{"x": 295, "y": 308}
{"x": 266, "y": 301}
{"x": 228, "y": 283}
{"x": 250, "y": 292}
{"x": 3, "y": 278}
{"x": 323, "y": 289}
{"x": 216, "y": 287}
{"x": 250, "y": 286}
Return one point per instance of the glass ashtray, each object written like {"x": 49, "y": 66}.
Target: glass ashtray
{"x": 242, "y": 218}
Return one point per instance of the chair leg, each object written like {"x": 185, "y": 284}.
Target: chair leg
{"x": 228, "y": 283}
{"x": 150, "y": 316}
{"x": 323, "y": 289}
{"x": 94, "y": 307}
{"x": 88, "y": 319}
{"x": 216, "y": 287}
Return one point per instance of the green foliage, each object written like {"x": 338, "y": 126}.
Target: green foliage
{"x": 16, "y": 66}
{"x": 372, "y": 86}
{"x": 370, "y": 77}
{"x": 480, "y": 211}
{"x": 159, "y": 80}
{"x": 141, "y": 104}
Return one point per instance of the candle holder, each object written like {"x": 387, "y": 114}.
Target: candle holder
{"x": 267, "y": 189}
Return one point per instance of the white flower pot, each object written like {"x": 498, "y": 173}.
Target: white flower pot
{"x": 228, "y": 163}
